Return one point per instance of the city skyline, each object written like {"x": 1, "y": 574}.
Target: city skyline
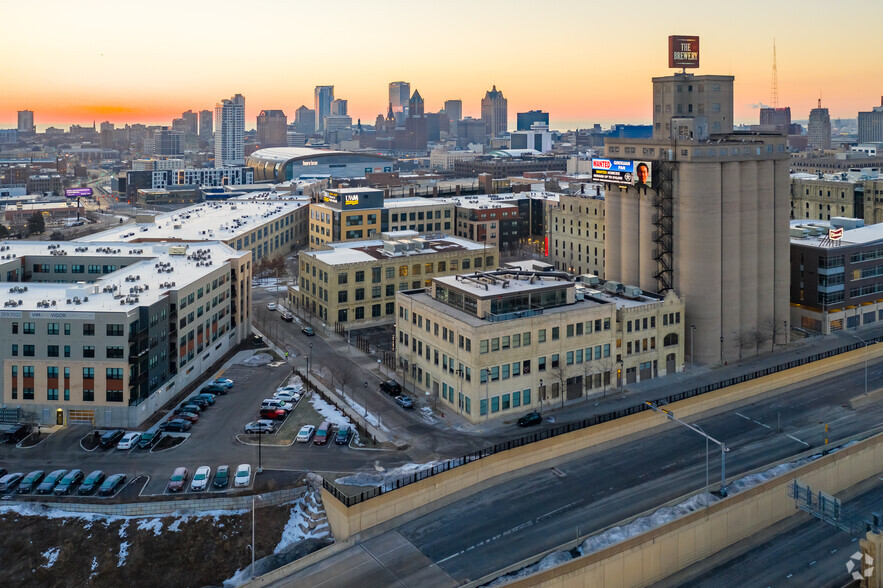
{"x": 601, "y": 76}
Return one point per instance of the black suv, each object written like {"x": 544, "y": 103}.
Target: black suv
{"x": 111, "y": 438}
{"x": 531, "y": 418}
{"x": 391, "y": 387}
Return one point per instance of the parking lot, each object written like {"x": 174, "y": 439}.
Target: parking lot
{"x": 216, "y": 439}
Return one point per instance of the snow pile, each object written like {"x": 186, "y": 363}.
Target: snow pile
{"x": 307, "y": 521}
{"x": 752, "y": 480}
{"x": 371, "y": 418}
{"x": 154, "y": 525}
{"x": 51, "y": 555}
{"x": 384, "y": 477}
{"x": 239, "y": 578}
{"x": 124, "y": 553}
{"x": 550, "y": 561}
{"x": 329, "y": 412}
{"x": 257, "y": 360}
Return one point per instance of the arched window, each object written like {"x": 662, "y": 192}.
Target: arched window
{"x": 670, "y": 339}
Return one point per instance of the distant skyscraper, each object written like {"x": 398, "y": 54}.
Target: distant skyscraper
{"x": 399, "y": 94}
{"x": 454, "y": 112}
{"x": 338, "y": 107}
{"x": 415, "y": 104}
{"x": 305, "y": 120}
{"x": 230, "y": 131}
{"x": 494, "y": 110}
{"x": 191, "y": 122}
{"x": 205, "y": 125}
{"x": 819, "y": 128}
{"x": 26, "y": 121}
{"x": 870, "y": 125}
{"x": 106, "y": 138}
{"x": 167, "y": 143}
{"x": 776, "y": 118}
{"x": 324, "y": 96}
{"x": 525, "y": 119}
{"x": 272, "y": 128}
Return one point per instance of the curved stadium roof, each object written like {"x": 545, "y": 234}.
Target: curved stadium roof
{"x": 268, "y": 162}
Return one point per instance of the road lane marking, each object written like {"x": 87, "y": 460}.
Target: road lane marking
{"x": 798, "y": 440}
{"x": 743, "y": 416}
{"x": 761, "y": 424}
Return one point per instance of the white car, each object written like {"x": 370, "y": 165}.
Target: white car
{"x": 243, "y": 476}
{"x": 227, "y": 382}
{"x": 276, "y": 403}
{"x": 287, "y": 396}
{"x": 200, "y": 478}
{"x": 271, "y": 306}
{"x": 128, "y": 441}
{"x": 305, "y": 434}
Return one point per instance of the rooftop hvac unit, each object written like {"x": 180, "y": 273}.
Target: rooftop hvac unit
{"x": 632, "y": 292}
{"x": 178, "y": 250}
{"x": 590, "y": 279}
{"x": 176, "y": 226}
{"x": 613, "y": 287}
{"x": 799, "y": 233}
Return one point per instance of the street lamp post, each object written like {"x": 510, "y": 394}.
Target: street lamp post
{"x": 707, "y": 497}
{"x": 865, "y": 346}
{"x": 366, "y": 400}
{"x": 487, "y": 400}
{"x": 692, "y": 357}
{"x": 252, "y": 546}
{"x": 309, "y": 366}
{"x": 542, "y": 392}
{"x": 722, "y": 351}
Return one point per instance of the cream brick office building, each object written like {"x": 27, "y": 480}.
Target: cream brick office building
{"x": 497, "y": 344}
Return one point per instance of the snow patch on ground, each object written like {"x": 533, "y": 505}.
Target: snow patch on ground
{"x": 329, "y": 412}
{"x": 257, "y": 360}
{"x": 550, "y": 561}
{"x": 51, "y": 555}
{"x": 94, "y": 564}
{"x": 238, "y": 579}
{"x": 154, "y": 525}
{"x": 176, "y": 526}
{"x": 371, "y": 418}
{"x": 123, "y": 528}
{"x": 384, "y": 477}
{"x": 123, "y": 554}
{"x": 306, "y": 510}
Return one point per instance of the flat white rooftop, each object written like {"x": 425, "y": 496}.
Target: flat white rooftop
{"x": 207, "y": 221}
{"x": 373, "y": 250}
{"x": 151, "y": 271}
{"x": 412, "y": 202}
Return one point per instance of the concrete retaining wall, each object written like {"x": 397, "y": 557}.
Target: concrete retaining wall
{"x": 404, "y": 502}
{"x": 170, "y": 506}
{"x": 648, "y": 558}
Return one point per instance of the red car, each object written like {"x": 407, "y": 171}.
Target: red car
{"x": 189, "y": 416}
{"x": 272, "y": 413}
{"x": 178, "y": 479}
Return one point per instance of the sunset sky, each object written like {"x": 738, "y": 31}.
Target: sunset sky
{"x": 582, "y": 61}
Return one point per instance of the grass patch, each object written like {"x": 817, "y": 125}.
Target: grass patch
{"x": 167, "y": 442}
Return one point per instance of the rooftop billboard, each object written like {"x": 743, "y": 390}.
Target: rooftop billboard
{"x": 623, "y": 171}
{"x": 77, "y": 192}
{"x": 683, "y": 51}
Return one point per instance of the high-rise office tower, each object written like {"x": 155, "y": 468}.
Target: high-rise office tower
{"x": 338, "y": 107}
{"x": 399, "y": 94}
{"x": 105, "y": 140}
{"x": 454, "y": 111}
{"x": 167, "y": 143}
{"x": 191, "y": 122}
{"x": 707, "y": 215}
{"x": 776, "y": 119}
{"x": 415, "y": 104}
{"x": 819, "y": 128}
{"x": 494, "y": 110}
{"x": 272, "y": 128}
{"x": 205, "y": 125}
{"x": 870, "y": 125}
{"x": 305, "y": 120}
{"x": 526, "y": 119}
{"x": 324, "y": 96}
{"x": 26, "y": 121}
{"x": 230, "y": 131}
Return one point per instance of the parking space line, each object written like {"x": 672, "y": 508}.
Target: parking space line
{"x": 798, "y": 440}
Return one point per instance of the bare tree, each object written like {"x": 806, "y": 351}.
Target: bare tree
{"x": 776, "y": 330}
{"x": 743, "y": 339}
{"x": 344, "y": 377}
{"x": 560, "y": 374}
{"x": 759, "y": 339}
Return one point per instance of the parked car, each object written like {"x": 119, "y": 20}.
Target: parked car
{"x": 10, "y": 481}
{"x": 198, "y": 401}
{"x": 49, "y": 482}
{"x": 149, "y": 439}
{"x": 276, "y": 403}
{"x": 128, "y": 441}
{"x": 308, "y": 331}
{"x": 210, "y": 398}
{"x": 405, "y": 401}
{"x": 67, "y": 483}
{"x": 271, "y": 306}
{"x": 272, "y": 413}
{"x": 16, "y": 433}
{"x": 343, "y": 435}
{"x": 391, "y": 387}
{"x": 222, "y": 477}
{"x": 187, "y": 408}
{"x": 92, "y": 482}
{"x": 189, "y": 416}
{"x": 213, "y": 389}
{"x": 305, "y": 434}
{"x": 200, "y": 478}
{"x": 322, "y": 433}
{"x": 243, "y": 476}
{"x": 531, "y": 418}
{"x": 30, "y": 482}
{"x": 3, "y": 472}
{"x": 225, "y": 382}
{"x": 112, "y": 485}
{"x": 290, "y": 397}
{"x": 111, "y": 438}
{"x": 287, "y": 317}
{"x": 262, "y": 426}
{"x": 176, "y": 425}
{"x": 178, "y": 479}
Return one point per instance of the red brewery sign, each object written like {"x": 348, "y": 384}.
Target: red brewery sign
{"x": 835, "y": 234}
{"x": 683, "y": 51}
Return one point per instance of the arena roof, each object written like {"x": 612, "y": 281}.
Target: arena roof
{"x": 285, "y": 154}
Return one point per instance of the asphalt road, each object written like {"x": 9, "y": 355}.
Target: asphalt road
{"x": 535, "y": 512}
{"x": 811, "y": 554}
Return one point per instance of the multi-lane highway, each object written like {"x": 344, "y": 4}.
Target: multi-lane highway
{"x": 519, "y": 518}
